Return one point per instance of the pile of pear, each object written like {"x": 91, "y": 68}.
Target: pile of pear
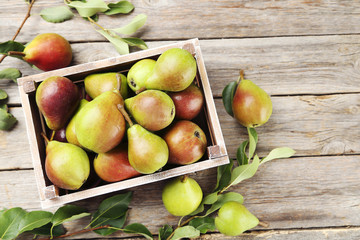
{"x": 133, "y": 122}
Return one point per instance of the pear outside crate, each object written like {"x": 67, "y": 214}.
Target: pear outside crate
{"x": 51, "y": 195}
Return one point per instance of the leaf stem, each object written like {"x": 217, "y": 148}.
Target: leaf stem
{"x": 78, "y": 232}
{"x": 181, "y": 225}
{"x": 95, "y": 23}
{"x": 22, "y": 24}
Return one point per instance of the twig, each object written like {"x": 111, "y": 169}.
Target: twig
{"x": 78, "y": 232}
{"x": 22, "y": 24}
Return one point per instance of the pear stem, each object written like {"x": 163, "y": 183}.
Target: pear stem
{"x": 45, "y": 137}
{"x": 184, "y": 178}
{"x": 52, "y": 135}
{"x": 15, "y": 53}
{"x": 263, "y": 224}
{"x": 122, "y": 109}
{"x": 119, "y": 81}
{"x": 241, "y": 77}
{"x": 140, "y": 90}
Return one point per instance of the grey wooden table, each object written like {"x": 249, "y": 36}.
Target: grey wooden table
{"x": 306, "y": 54}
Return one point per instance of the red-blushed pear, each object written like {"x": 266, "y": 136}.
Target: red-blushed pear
{"x": 66, "y": 165}
{"x": 100, "y": 125}
{"x": 60, "y": 135}
{"x": 57, "y": 99}
{"x": 188, "y": 103}
{"x": 152, "y": 109}
{"x": 252, "y": 106}
{"x": 114, "y": 165}
{"x": 47, "y": 51}
{"x": 233, "y": 219}
{"x": 181, "y": 196}
{"x": 186, "y": 141}
{"x": 175, "y": 69}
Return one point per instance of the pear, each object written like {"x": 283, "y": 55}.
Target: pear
{"x": 67, "y": 166}
{"x": 182, "y": 196}
{"x": 70, "y": 128}
{"x": 152, "y": 109}
{"x": 99, "y": 125}
{"x": 57, "y": 99}
{"x": 147, "y": 151}
{"x": 251, "y": 105}
{"x": 175, "y": 69}
{"x": 139, "y": 73}
{"x": 97, "y": 83}
{"x": 47, "y": 51}
{"x": 233, "y": 219}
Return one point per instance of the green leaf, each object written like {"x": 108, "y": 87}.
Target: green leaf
{"x": 113, "y": 207}
{"x": 7, "y": 120}
{"x": 208, "y": 200}
{"x": 34, "y": 219}
{"x": 5, "y": 47}
{"x": 10, "y": 220}
{"x": 253, "y": 139}
{"x": 68, "y": 213}
{"x": 10, "y": 73}
{"x": 185, "y": 232}
{"x": 138, "y": 228}
{"x": 203, "y": 224}
{"x": 47, "y": 228}
{"x": 133, "y": 26}
{"x": 56, "y": 14}
{"x": 136, "y": 42}
{"x": 165, "y": 232}
{"x": 119, "y": 44}
{"x": 119, "y": 7}
{"x": 116, "y": 223}
{"x": 223, "y": 175}
{"x": 243, "y": 172}
{"x": 224, "y": 198}
{"x": 241, "y": 155}
{"x": 3, "y": 95}
{"x": 89, "y": 8}
{"x": 95, "y": 18}
{"x": 228, "y": 96}
{"x": 282, "y": 152}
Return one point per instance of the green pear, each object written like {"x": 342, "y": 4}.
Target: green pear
{"x": 174, "y": 71}
{"x": 67, "y": 166}
{"x": 152, "y": 109}
{"x": 100, "y": 125}
{"x": 97, "y": 83}
{"x": 252, "y": 106}
{"x": 182, "y": 196}
{"x": 147, "y": 151}
{"x": 70, "y": 128}
{"x": 139, "y": 73}
{"x": 233, "y": 219}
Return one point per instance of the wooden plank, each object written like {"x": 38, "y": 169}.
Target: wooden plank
{"x": 301, "y": 65}
{"x": 309, "y": 192}
{"x": 205, "y": 19}
{"x": 312, "y": 125}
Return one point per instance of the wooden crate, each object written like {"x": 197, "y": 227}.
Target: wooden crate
{"x": 50, "y": 195}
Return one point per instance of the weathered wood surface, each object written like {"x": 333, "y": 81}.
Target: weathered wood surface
{"x": 304, "y": 53}
{"x": 276, "y": 64}
{"x": 316, "y": 194}
{"x": 186, "y": 19}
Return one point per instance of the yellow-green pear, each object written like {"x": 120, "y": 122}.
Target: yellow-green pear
{"x": 97, "y": 83}
{"x": 175, "y": 70}
{"x": 139, "y": 73}
{"x": 70, "y": 128}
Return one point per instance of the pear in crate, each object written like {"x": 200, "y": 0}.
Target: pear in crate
{"x": 147, "y": 151}
{"x": 152, "y": 109}
{"x": 139, "y": 73}
{"x": 251, "y": 106}
{"x": 97, "y": 83}
{"x": 57, "y": 99}
{"x": 114, "y": 165}
{"x": 175, "y": 69}
{"x": 186, "y": 141}
{"x": 188, "y": 103}
{"x": 70, "y": 128}
{"x": 67, "y": 166}
{"x": 182, "y": 196}
{"x": 233, "y": 219}
{"x": 99, "y": 125}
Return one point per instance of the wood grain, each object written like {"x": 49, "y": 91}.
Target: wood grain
{"x": 286, "y": 193}
{"x": 281, "y": 66}
{"x": 205, "y": 19}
